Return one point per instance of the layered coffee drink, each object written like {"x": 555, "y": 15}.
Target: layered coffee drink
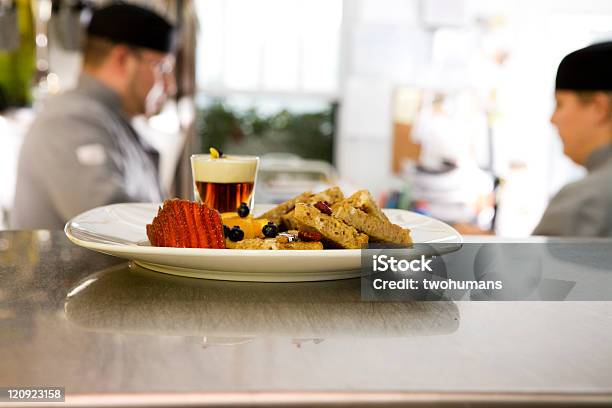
{"x": 224, "y": 182}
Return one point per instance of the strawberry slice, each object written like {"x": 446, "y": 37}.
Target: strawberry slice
{"x": 216, "y": 228}
{"x": 206, "y": 227}
{"x": 198, "y": 225}
{"x": 184, "y": 224}
{"x": 168, "y": 226}
{"x": 186, "y": 214}
{"x": 151, "y": 234}
{"x": 180, "y": 224}
{"x": 158, "y": 231}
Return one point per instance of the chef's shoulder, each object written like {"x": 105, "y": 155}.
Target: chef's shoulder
{"x": 594, "y": 189}
{"x": 71, "y": 136}
{"x": 581, "y": 208}
{"x": 72, "y": 119}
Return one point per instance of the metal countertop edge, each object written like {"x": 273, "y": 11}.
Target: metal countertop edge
{"x": 335, "y": 399}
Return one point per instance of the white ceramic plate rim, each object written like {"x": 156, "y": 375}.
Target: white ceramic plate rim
{"x": 128, "y": 248}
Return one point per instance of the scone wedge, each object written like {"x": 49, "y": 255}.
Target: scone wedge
{"x": 376, "y": 228}
{"x": 331, "y": 195}
{"x": 364, "y": 201}
{"x": 277, "y": 212}
{"x": 335, "y": 233}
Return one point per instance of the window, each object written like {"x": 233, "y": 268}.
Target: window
{"x": 269, "y": 46}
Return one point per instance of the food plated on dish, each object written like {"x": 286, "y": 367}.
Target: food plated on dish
{"x": 309, "y": 221}
{"x": 119, "y": 230}
{"x": 224, "y": 235}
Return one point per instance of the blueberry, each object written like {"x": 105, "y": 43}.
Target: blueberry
{"x": 270, "y": 230}
{"x": 243, "y": 210}
{"x": 226, "y": 230}
{"x": 236, "y": 234}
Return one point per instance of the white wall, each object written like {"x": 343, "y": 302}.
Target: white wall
{"x": 383, "y": 46}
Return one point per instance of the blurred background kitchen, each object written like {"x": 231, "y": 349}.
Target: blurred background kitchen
{"x": 438, "y": 106}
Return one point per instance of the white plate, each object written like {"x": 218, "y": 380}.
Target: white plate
{"x": 119, "y": 230}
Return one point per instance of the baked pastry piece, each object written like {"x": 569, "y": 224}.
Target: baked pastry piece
{"x": 364, "y": 201}
{"x": 275, "y": 213}
{"x": 336, "y": 234}
{"x": 376, "y": 228}
{"x": 331, "y": 195}
{"x": 275, "y": 244}
{"x": 186, "y": 224}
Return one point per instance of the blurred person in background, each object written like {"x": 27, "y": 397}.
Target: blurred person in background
{"x": 583, "y": 117}
{"x": 81, "y": 151}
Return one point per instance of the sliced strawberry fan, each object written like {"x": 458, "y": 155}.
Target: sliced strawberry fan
{"x": 186, "y": 224}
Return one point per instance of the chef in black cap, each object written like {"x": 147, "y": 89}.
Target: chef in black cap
{"x": 583, "y": 117}
{"x": 81, "y": 151}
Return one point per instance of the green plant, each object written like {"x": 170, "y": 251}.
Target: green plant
{"x": 309, "y": 135}
{"x": 17, "y": 67}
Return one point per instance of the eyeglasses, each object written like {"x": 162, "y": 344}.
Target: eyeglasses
{"x": 164, "y": 66}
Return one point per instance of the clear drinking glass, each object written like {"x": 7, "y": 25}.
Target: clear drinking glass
{"x": 225, "y": 182}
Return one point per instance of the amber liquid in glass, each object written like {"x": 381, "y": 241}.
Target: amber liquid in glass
{"x": 225, "y": 197}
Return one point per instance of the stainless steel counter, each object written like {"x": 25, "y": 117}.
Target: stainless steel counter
{"x": 114, "y": 334}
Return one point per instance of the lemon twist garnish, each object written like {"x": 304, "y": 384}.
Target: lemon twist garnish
{"x": 214, "y": 153}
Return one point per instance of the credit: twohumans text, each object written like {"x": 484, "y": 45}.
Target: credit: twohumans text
{"x": 448, "y": 284}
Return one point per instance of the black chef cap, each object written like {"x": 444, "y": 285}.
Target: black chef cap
{"x": 587, "y": 69}
{"x": 133, "y": 25}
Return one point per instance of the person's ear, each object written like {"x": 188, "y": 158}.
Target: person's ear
{"x": 601, "y": 106}
{"x": 123, "y": 57}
